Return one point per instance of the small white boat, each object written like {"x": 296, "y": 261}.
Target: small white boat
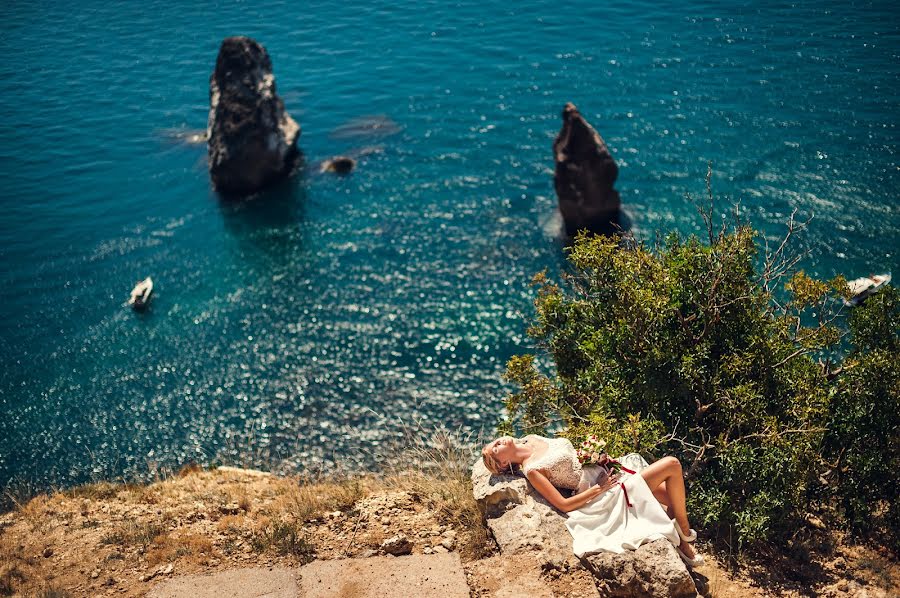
{"x": 861, "y": 288}
{"x": 140, "y": 295}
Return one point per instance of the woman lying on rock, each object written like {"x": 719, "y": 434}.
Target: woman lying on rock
{"x": 620, "y": 512}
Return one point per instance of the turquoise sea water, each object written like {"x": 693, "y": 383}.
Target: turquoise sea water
{"x": 318, "y": 322}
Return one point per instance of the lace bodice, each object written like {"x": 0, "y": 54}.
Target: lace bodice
{"x": 559, "y": 463}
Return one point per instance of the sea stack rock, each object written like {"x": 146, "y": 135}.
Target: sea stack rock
{"x": 250, "y": 138}
{"x": 584, "y": 177}
{"x": 339, "y": 165}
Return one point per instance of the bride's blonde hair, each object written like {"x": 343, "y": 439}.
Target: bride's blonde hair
{"x": 496, "y": 467}
{"x": 491, "y": 463}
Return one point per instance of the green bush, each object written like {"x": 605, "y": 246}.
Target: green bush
{"x": 863, "y": 440}
{"x": 711, "y": 351}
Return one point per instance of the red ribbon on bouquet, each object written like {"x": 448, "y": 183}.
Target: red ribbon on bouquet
{"x": 622, "y": 484}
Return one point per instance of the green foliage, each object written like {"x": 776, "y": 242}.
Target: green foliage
{"x": 863, "y": 441}
{"x": 682, "y": 348}
{"x": 634, "y": 435}
{"x": 532, "y": 402}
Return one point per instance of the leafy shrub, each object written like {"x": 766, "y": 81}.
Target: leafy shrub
{"x": 707, "y": 350}
{"x": 863, "y": 441}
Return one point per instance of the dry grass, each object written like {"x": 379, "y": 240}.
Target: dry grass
{"x": 284, "y": 537}
{"x": 135, "y": 533}
{"x": 189, "y": 469}
{"x": 878, "y": 570}
{"x": 442, "y": 479}
{"x": 231, "y": 524}
{"x": 452, "y": 501}
{"x": 36, "y": 512}
{"x": 97, "y": 491}
{"x": 16, "y": 567}
{"x": 168, "y": 548}
{"x": 10, "y": 577}
{"x": 16, "y": 493}
{"x": 309, "y": 501}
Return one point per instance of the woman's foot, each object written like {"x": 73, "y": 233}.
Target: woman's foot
{"x": 687, "y": 549}
{"x": 690, "y": 536}
{"x": 687, "y": 554}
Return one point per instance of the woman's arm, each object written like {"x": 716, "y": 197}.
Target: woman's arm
{"x": 549, "y": 491}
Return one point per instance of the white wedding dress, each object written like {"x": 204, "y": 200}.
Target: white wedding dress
{"x": 622, "y": 518}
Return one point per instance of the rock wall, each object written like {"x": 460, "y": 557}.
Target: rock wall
{"x": 251, "y": 138}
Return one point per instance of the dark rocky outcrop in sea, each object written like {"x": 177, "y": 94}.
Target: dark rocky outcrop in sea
{"x": 251, "y": 138}
{"x": 339, "y": 165}
{"x": 584, "y": 177}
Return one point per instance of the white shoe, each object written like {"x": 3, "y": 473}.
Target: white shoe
{"x": 691, "y": 562}
{"x": 690, "y": 537}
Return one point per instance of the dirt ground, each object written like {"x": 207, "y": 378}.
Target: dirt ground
{"x": 120, "y": 540}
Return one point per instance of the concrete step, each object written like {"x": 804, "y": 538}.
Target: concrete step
{"x": 413, "y": 576}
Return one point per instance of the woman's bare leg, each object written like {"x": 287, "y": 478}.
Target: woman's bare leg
{"x": 666, "y": 475}
{"x": 662, "y": 495}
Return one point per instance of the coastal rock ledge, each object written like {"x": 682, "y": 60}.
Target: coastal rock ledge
{"x": 584, "y": 176}
{"x": 251, "y": 138}
{"x": 523, "y": 522}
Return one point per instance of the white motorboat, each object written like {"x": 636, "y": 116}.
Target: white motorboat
{"x": 861, "y": 288}
{"x": 140, "y": 295}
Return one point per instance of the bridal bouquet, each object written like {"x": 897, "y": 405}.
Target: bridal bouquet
{"x": 591, "y": 453}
